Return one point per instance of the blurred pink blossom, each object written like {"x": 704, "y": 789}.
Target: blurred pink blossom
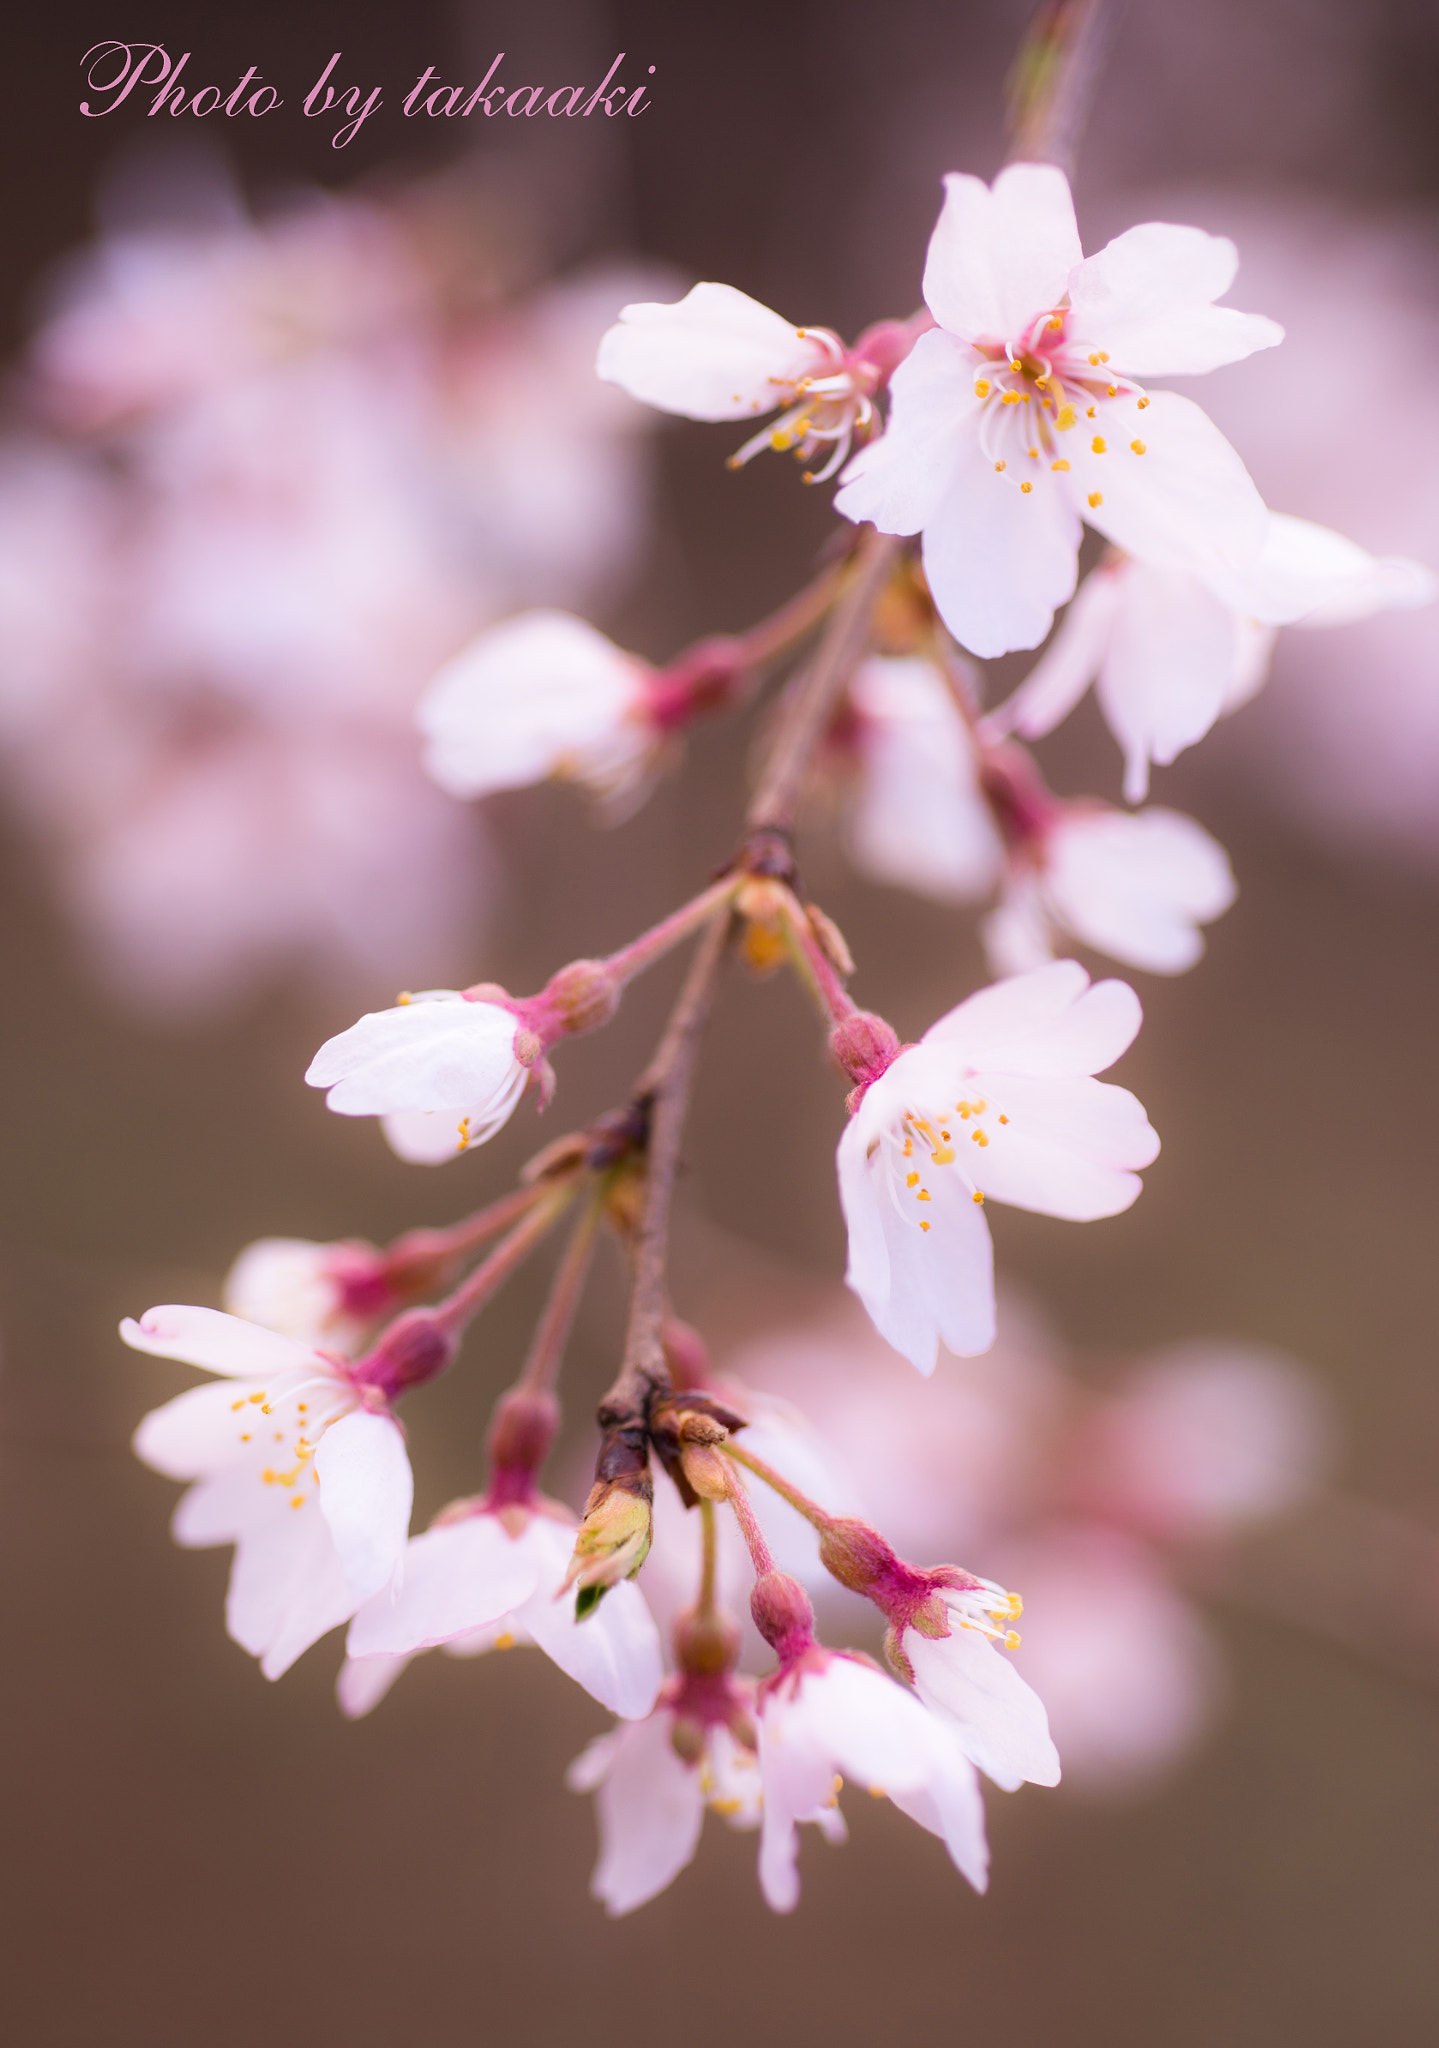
{"x": 275, "y": 473}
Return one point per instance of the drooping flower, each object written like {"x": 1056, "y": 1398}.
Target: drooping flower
{"x": 828, "y": 1717}
{"x": 651, "y": 1800}
{"x": 1170, "y": 651}
{"x": 542, "y": 695}
{"x": 1021, "y": 415}
{"x": 295, "y": 1461}
{"x": 919, "y": 819}
{"x": 1002, "y": 1725}
{"x": 996, "y": 1101}
{"x": 1134, "y": 885}
{"x": 480, "y": 1575}
{"x": 444, "y": 1070}
{"x": 324, "y": 1294}
{"x": 719, "y": 355}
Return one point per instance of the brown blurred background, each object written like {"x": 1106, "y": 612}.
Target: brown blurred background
{"x": 191, "y": 1856}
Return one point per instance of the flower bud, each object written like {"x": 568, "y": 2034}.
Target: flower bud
{"x": 701, "y": 679}
{"x": 612, "y": 1541}
{"x": 416, "y": 1347}
{"x": 706, "y": 1644}
{"x": 580, "y": 997}
{"x": 864, "y": 1046}
{"x": 783, "y": 1615}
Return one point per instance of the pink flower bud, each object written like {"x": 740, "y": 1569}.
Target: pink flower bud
{"x": 782, "y": 1614}
{"x": 864, "y": 1046}
{"x": 416, "y": 1347}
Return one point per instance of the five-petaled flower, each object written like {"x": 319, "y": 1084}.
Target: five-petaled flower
{"x": 1021, "y": 415}
{"x": 297, "y": 1463}
{"x": 996, "y": 1100}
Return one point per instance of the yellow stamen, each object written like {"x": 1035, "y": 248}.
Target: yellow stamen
{"x": 1061, "y": 464}
{"x": 1099, "y": 445}
{"x": 1095, "y": 498}
{"x": 1026, "y": 488}
{"x": 1139, "y": 447}
{"x": 1065, "y": 418}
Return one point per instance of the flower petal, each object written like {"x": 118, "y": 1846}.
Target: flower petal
{"x": 650, "y": 1810}
{"x": 614, "y": 1653}
{"x": 1070, "y": 1147}
{"x": 999, "y": 560}
{"x": 1138, "y": 885}
{"x": 192, "y": 1434}
{"x": 716, "y": 355}
{"x": 1185, "y": 502}
{"x": 1070, "y": 662}
{"x": 1310, "y": 575}
{"x": 899, "y": 481}
{"x": 1050, "y": 1021}
{"x": 428, "y": 1055}
{"x": 220, "y": 1343}
{"x": 1146, "y": 299}
{"x": 1175, "y": 652}
{"x": 459, "y": 1576}
{"x": 363, "y": 1683}
{"x": 366, "y": 1492}
{"x": 1002, "y": 1722}
{"x": 1001, "y": 254}
{"x": 526, "y": 700}
{"x": 919, "y": 820}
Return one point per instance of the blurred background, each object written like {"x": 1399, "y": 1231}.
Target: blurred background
{"x": 284, "y": 425}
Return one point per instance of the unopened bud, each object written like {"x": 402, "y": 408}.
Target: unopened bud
{"x": 414, "y": 1349}
{"x": 580, "y": 997}
{"x": 707, "y": 1469}
{"x": 856, "y": 1555}
{"x": 864, "y": 1046}
{"x": 783, "y": 1615}
{"x": 706, "y": 1643}
{"x": 612, "y": 1541}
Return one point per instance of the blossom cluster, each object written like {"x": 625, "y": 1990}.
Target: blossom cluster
{"x": 972, "y": 444}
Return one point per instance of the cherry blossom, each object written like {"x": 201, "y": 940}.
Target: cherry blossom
{"x": 995, "y": 1101}
{"x": 918, "y": 819}
{"x": 443, "y": 1070}
{"x": 1003, "y": 1728}
{"x": 1020, "y": 415}
{"x": 831, "y": 1716}
{"x": 1135, "y": 886}
{"x": 719, "y": 355}
{"x": 542, "y": 695}
{"x": 651, "y": 1800}
{"x": 481, "y": 1577}
{"x": 323, "y": 1294}
{"x": 295, "y": 1460}
{"x": 1171, "y": 651}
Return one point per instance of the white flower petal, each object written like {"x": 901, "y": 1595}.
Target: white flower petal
{"x": 219, "y": 1343}
{"x": 1070, "y": 662}
{"x": 1137, "y": 886}
{"x": 1048, "y": 1022}
{"x": 1002, "y": 254}
{"x": 899, "y": 481}
{"x": 459, "y": 1576}
{"x": 366, "y": 1492}
{"x": 919, "y": 820}
{"x": 543, "y": 694}
{"x": 1175, "y": 653}
{"x": 1001, "y": 1721}
{"x": 1186, "y": 502}
{"x": 650, "y": 1809}
{"x": 425, "y": 1055}
{"x": 363, "y": 1683}
{"x": 1070, "y": 1147}
{"x": 614, "y": 1653}
{"x": 1000, "y": 560}
{"x": 1310, "y": 575}
{"x": 1145, "y": 298}
{"x": 192, "y": 1434}
{"x": 716, "y": 355}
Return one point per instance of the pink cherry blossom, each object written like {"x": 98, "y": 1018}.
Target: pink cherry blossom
{"x": 1021, "y": 415}
{"x": 324, "y": 1294}
{"x": 542, "y": 695}
{"x": 1136, "y": 886}
{"x": 443, "y": 1071}
{"x": 480, "y": 1576}
{"x": 1170, "y": 651}
{"x": 718, "y": 355}
{"x": 996, "y": 1101}
{"x": 832, "y": 1717}
{"x": 918, "y": 817}
{"x": 651, "y": 1801}
{"x": 293, "y": 1460}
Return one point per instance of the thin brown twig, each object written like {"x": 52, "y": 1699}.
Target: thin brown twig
{"x": 1052, "y": 81}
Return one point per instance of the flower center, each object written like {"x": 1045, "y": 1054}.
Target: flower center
{"x": 1040, "y": 388}
{"x": 826, "y": 408}
{"x": 284, "y": 1456}
{"x": 988, "y": 1608}
{"x": 956, "y": 1140}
